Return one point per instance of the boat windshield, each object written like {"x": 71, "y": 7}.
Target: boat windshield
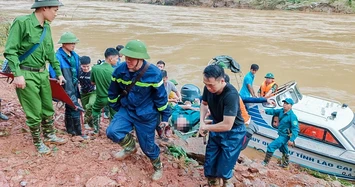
{"x": 348, "y": 132}
{"x": 298, "y": 93}
{"x": 291, "y": 93}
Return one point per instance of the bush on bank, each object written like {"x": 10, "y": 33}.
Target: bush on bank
{"x": 328, "y": 6}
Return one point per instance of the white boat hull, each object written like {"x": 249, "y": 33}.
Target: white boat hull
{"x": 308, "y": 159}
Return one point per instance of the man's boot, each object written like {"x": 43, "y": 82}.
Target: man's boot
{"x": 267, "y": 158}
{"x": 285, "y": 163}
{"x": 88, "y": 121}
{"x": 3, "y": 117}
{"x": 37, "y": 141}
{"x": 49, "y": 132}
{"x": 282, "y": 160}
{"x": 96, "y": 124}
{"x": 69, "y": 126}
{"x": 129, "y": 147}
{"x": 227, "y": 183}
{"x": 213, "y": 182}
{"x": 77, "y": 126}
{"x": 158, "y": 169}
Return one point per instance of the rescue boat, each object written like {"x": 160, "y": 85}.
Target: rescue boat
{"x": 326, "y": 141}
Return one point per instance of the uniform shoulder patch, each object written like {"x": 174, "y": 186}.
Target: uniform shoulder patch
{"x": 294, "y": 123}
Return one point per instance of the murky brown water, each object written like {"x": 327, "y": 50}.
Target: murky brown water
{"x": 316, "y": 50}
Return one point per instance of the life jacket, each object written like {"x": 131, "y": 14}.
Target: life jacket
{"x": 266, "y": 88}
{"x": 244, "y": 111}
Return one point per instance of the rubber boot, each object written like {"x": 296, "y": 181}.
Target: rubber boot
{"x": 88, "y": 121}
{"x": 77, "y": 126}
{"x": 69, "y": 125}
{"x": 37, "y": 141}
{"x": 227, "y": 183}
{"x": 267, "y": 158}
{"x": 129, "y": 147}
{"x": 106, "y": 112}
{"x": 282, "y": 160}
{"x": 213, "y": 182}
{"x": 158, "y": 169}
{"x": 49, "y": 132}
{"x": 3, "y": 117}
{"x": 286, "y": 161}
{"x": 96, "y": 124}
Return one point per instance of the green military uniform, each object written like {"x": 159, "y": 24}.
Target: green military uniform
{"x": 101, "y": 76}
{"x": 88, "y": 100}
{"x": 36, "y": 97}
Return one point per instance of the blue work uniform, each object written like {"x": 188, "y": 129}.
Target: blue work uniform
{"x": 139, "y": 108}
{"x": 223, "y": 148}
{"x": 287, "y": 130}
{"x": 248, "y": 79}
{"x": 70, "y": 66}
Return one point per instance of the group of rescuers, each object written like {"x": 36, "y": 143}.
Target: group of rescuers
{"x": 135, "y": 93}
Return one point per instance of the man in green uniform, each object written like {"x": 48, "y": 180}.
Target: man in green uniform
{"x": 31, "y": 76}
{"x": 101, "y": 76}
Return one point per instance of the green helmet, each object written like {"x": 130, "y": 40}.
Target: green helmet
{"x": 68, "y": 38}
{"x": 135, "y": 49}
{"x": 269, "y": 76}
{"x": 45, "y": 3}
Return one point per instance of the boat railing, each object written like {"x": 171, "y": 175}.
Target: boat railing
{"x": 284, "y": 87}
{"x": 326, "y": 99}
{"x": 324, "y": 117}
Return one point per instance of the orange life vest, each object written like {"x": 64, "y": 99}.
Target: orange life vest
{"x": 264, "y": 89}
{"x": 244, "y": 111}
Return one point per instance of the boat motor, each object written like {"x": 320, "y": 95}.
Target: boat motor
{"x": 190, "y": 92}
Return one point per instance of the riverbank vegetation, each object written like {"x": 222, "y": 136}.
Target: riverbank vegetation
{"x": 327, "y": 6}
{"x": 338, "y": 6}
{"x": 326, "y": 177}
{"x": 4, "y": 31}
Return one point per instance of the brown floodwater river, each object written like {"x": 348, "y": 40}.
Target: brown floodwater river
{"x": 316, "y": 50}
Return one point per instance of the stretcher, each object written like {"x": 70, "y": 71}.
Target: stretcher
{"x": 58, "y": 92}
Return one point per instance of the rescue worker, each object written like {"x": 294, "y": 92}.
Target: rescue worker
{"x": 170, "y": 87}
{"x": 268, "y": 87}
{"x": 287, "y": 130}
{"x": 227, "y": 131}
{"x": 140, "y": 107}
{"x": 87, "y": 90}
{"x": 31, "y": 75}
{"x": 70, "y": 66}
{"x": 247, "y": 87}
{"x": 101, "y": 77}
{"x": 118, "y": 48}
{"x": 161, "y": 65}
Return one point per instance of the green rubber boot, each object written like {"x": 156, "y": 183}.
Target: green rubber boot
{"x": 129, "y": 147}
{"x": 158, "y": 169}
{"x": 88, "y": 120}
{"x": 96, "y": 124}
{"x": 49, "y": 132}
{"x": 37, "y": 141}
{"x": 213, "y": 182}
{"x": 286, "y": 161}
